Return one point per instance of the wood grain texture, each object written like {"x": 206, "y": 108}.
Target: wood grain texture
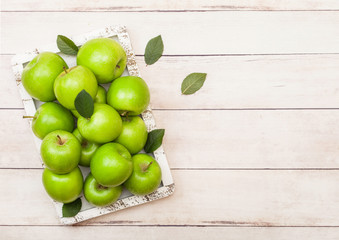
{"x": 214, "y": 139}
{"x": 9, "y": 97}
{"x": 251, "y": 139}
{"x": 154, "y": 5}
{"x": 222, "y": 139}
{"x": 309, "y": 81}
{"x": 16, "y": 142}
{"x": 302, "y": 81}
{"x": 185, "y": 33}
{"x": 155, "y": 233}
{"x": 227, "y": 198}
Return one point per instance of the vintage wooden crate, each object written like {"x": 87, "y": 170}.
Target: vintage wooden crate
{"x": 126, "y": 200}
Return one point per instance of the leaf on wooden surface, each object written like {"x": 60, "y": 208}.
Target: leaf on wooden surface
{"x": 192, "y": 83}
{"x": 154, "y": 50}
{"x": 154, "y": 140}
{"x": 84, "y": 104}
{"x": 66, "y": 45}
{"x": 71, "y": 209}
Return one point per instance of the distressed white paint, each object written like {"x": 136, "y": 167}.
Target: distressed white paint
{"x": 303, "y": 197}
{"x": 30, "y": 105}
{"x": 155, "y": 5}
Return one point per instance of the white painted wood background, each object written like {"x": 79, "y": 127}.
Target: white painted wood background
{"x": 255, "y": 154}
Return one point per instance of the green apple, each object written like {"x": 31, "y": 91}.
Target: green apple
{"x": 60, "y": 151}
{"x": 63, "y": 188}
{"x": 99, "y": 195}
{"x": 128, "y": 95}
{"x": 133, "y": 135}
{"x": 111, "y": 165}
{"x": 101, "y": 95}
{"x": 51, "y": 116}
{"x": 146, "y": 176}
{"x": 105, "y": 57}
{"x": 104, "y": 126}
{"x": 87, "y": 149}
{"x": 75, "y": 113}
{"x": 72, "y": 81}
{"x": 39, "y": 74}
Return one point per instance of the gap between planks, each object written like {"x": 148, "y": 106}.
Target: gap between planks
{"x": 209, "y": 169}
{"x": 170, "y": 232}
{"x": 223, "y": 55}
{"x": 165, "y": 11}
{"x": 221, "y": 109}
{"x": 165, "y": 6}
{"x": 161, "y": 225}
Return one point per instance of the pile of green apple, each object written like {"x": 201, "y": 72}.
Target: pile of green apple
{"x": 109, "y": 142}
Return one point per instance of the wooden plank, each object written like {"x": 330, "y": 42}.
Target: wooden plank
{"x": 209, "y": 197}
{"x": 17, "y": 146}
{"x": 214, "y": 139}
{"x": 153, "y": 5}
{"x": 302, "y": 81}
{"x": 230, "y": 32}
{"x": 146, "y": 233}
{"x": 9, "y": 97}
{"x": 251, "y": 139}
{"x": 246, "y": 82}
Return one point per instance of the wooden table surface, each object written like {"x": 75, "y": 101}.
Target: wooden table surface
{"x": 254, "y": 154}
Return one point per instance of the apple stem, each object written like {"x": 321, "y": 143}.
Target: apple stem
{"x": 60, "y": 141}
{"x": 65, "y": 69}
{"x": 118, "y": 66}
{"x": 102, "y": 187}
{"x": 28, "y": 116}
{"x": 146, "y": 167}
{"x": 84, "y": 144}
{"x": 125, "y": 114}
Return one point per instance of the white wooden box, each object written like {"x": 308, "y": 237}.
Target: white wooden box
{"x": 126, "y": 200}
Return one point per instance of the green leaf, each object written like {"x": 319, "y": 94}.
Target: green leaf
{"x": 66, "y": 45}
{"x": 71, "y": 209}
{"x": 84, "y": 104}
{"x": 192, "y": 83}
{"x": 154, "y": 50}
{"x": 154, "y": 140}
